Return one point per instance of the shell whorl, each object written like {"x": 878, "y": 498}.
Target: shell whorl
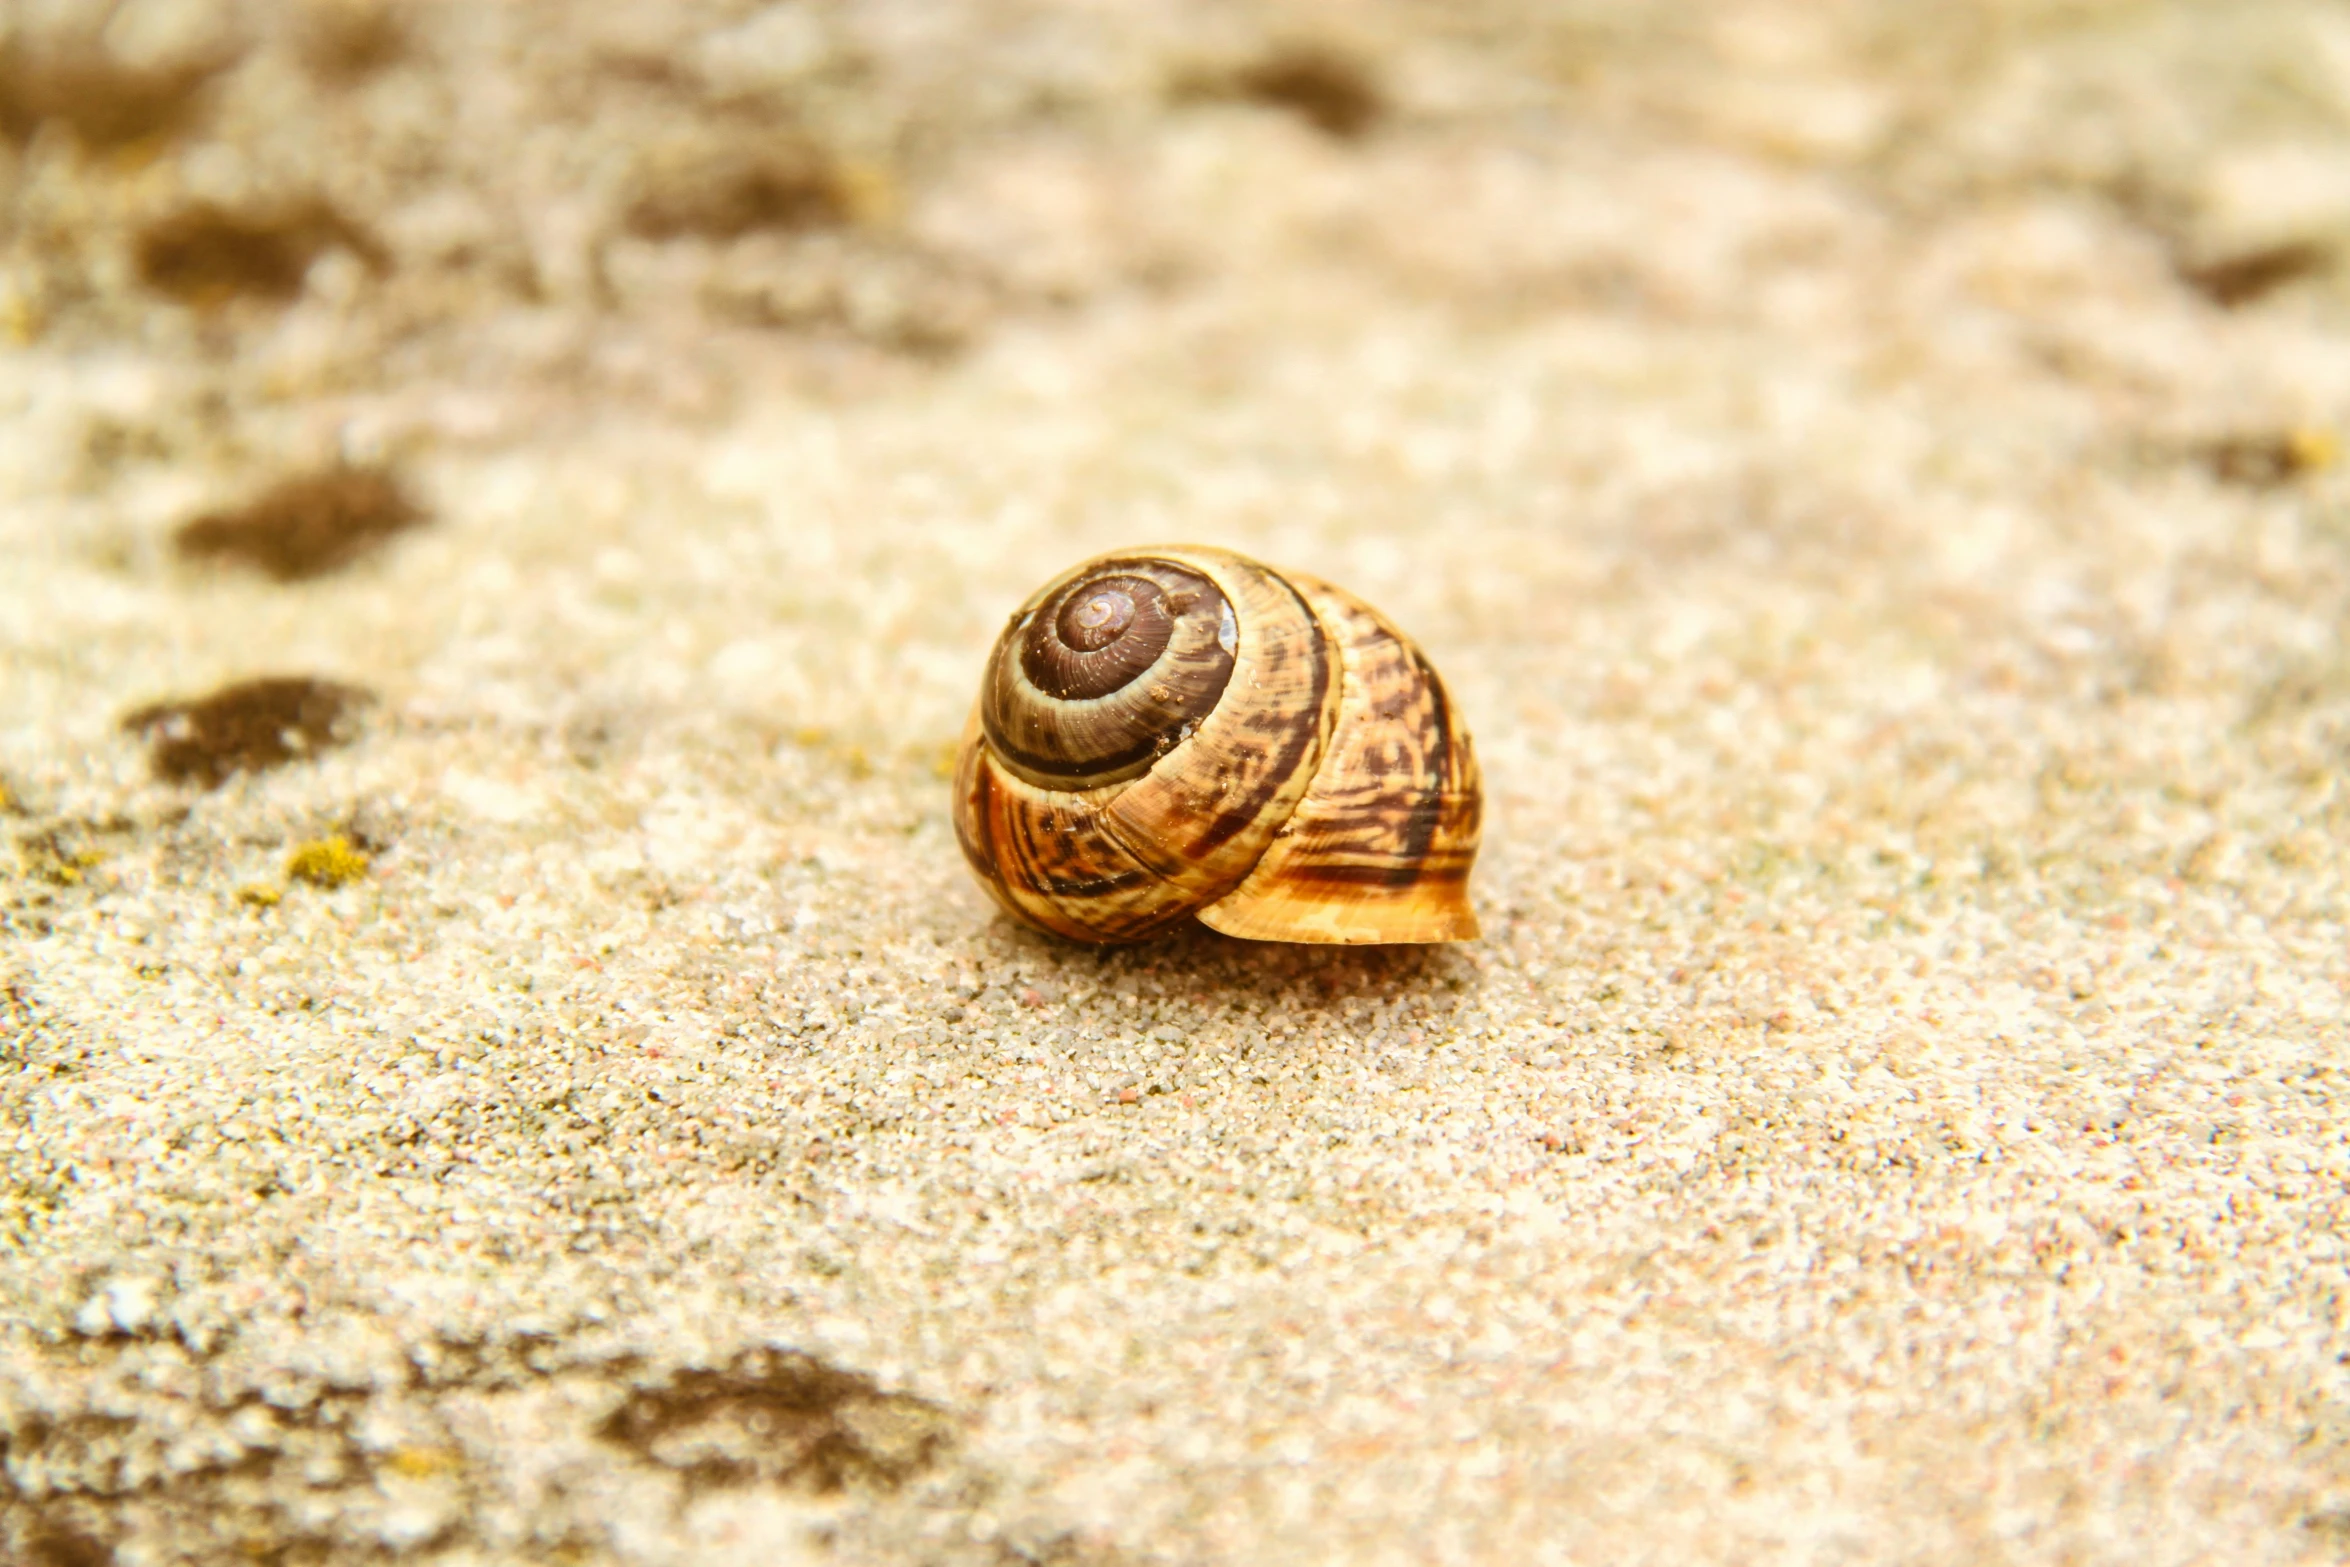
{"x": 1183, "y": 731}
{"x": 1107, "y": 673}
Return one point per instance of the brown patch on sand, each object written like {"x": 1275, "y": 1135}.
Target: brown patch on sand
{"x": 1330, "y": 90}
{"x": 103, "y": 102}
{"x": 2266, "y": 460}
{"x": 344, "y": 41}
{"x": 2248, "y": 276}
{"x": 205, "y": 254}
{"x": 725, "y": 192}
{"x": 306, "y": 525}
{"x": 778, "y": 1418}
{"x": 250, "y": 726}
{"x": 60, "y": 1542}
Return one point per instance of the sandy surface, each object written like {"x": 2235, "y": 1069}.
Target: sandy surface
{"x": 504, "y": 507}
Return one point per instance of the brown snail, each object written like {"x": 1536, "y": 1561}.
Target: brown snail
{"x": 1176, "y": 732}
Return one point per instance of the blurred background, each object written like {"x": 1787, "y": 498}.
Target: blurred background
{"x": 779, "y": 305}
{"x": 317, "y": 213}
{"x": 347, "y": 194}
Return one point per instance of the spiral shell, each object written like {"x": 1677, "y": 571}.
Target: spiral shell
{"x": 1178, "y": 732}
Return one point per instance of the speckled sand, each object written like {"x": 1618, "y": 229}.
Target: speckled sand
{"x": 1865, "y": 471}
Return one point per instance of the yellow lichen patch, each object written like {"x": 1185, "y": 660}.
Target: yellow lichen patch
{"x": 259, "y": 896}
{"x": 2274, "y": 458}
{"x": 869, "y": 192}
{"x": 2310, "y": 448}
{"x": 327, "y": 862}
{"x": 424, "y": 1463}
{"x": 57, "y": 863}
{"x": 20, "y": 316}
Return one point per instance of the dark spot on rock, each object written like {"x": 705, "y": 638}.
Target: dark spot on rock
{"x": 206, "y": 255}
{"x": 2332, "y": 1525}
{"x": 775, "y": 1417}
{"x": 101, "y": 101}
{"x": 1332, "y": 91}
{"x": 112, "y": 443}
{"x": 724, "y": 193}
{"x": 343, "y": 41}
{"x": 54, "y": 1542}
{"x": 305, "y": 526}
{"x": 2264, "y": 461}
{"x": 246, "y": 727}
{"x": 642, "y": 69}
{"x": 2250, "y": 275}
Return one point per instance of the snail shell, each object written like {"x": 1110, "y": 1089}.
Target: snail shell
{"x": 1180, "y": 732}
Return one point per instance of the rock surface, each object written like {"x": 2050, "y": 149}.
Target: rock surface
{"x": 1866, "y": 471}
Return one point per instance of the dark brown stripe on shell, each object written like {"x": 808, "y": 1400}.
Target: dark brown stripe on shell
{"x": 1420, "y": 830}
{"x": 1388, "y": 876}
{"x": 980, "y": 809}
{"x": 1235, "y": 819}
{"x": 1089, "y": 886}
{"x": 1023, "y": 760}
